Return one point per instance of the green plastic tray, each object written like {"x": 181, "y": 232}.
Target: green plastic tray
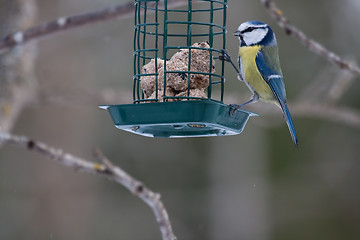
{"x": 198, "y": 118}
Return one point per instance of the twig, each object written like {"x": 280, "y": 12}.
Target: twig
{"x": 107, "y": 169}
{"x": 318, "y": 88}
{"x": 309, "y": 43}
{"x": 66, "y": 23}
{"x": 340, "y": 85}
{"x": 327, "y": 87}
{"x": 84, "y": 96}
{"x": 329, "y": 113}
{"x": 138, "y": 189}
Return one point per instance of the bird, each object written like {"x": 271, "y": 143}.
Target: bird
{"x": 260, "y": 68}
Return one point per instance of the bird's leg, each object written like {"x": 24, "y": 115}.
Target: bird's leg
{"x": 235, "y": 107}
{"x": 226, "y": 57}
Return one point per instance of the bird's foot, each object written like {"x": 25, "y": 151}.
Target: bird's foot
{"x": 234, "y": 108}
{"x": 225, "y": 56}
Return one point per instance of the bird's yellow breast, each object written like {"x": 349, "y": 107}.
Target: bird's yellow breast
{"x": 252, "y": 75}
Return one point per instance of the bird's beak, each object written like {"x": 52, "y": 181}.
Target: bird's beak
{"x": 237, "y": 33}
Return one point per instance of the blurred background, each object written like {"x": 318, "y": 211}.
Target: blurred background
{"x": 255, "y": 185}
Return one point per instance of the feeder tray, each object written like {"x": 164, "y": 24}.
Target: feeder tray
{"x": 198, "y": 118}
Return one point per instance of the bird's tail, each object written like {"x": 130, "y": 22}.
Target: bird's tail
{"x": 289, "y": 122}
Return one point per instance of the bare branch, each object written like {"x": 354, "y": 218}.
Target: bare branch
{"x": 310, "y": 110}
{"x": 327, "y": 87}
{"x": 139, "y": 190}
{"x": 329, "y": 113}
{"x": 65, "y": 23}
{"x": 85, "y": 96}
{"x": 318, "y": 88}
{"x": 339, "y": 87}
{"x": 309, "y": 43}
{"x": 107, "y": 169}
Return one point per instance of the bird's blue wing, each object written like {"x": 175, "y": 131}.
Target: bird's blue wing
{"x": 269, "y": 68}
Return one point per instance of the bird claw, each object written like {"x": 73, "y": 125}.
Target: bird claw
{"x": 225, "y": 56}
{"x": 234, "y": 108}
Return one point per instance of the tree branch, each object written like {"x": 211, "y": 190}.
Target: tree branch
{"x": 107, "y": 169}
{"x": 65, "y": 23}
{"x": 83, "y": 96}
{"x": 343, "y": 115}
{"x": 309, "y": 43}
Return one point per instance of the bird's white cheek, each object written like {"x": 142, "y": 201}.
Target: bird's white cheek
{"x": 255, "y": 36}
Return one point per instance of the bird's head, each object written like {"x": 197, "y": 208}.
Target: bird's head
{"x": 255, "y": 33}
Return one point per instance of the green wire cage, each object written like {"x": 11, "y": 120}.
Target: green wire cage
{"x": 178, "y": 78}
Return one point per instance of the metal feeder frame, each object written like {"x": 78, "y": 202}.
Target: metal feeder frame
{"x": 183, "y": 116}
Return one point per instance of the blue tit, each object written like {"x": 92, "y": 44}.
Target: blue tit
{"x": 260, "y": 67}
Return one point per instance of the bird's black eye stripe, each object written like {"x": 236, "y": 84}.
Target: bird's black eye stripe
{"x": 249, "y": 29}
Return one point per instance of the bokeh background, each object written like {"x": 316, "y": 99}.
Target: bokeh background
{"x": 255, "y": 185}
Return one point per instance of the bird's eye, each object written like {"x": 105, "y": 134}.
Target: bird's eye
{"x": 249, "y": 29}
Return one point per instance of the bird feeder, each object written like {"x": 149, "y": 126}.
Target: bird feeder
{"x": 178, "y": 82}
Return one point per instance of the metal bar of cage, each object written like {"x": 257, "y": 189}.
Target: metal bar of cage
{"x": 188, "y": 41}
{"x": 223, "y": 47}
{"x": 165, "y": 40}
{"x": 143, "y": 51}
{"x": 211, "y": 41}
